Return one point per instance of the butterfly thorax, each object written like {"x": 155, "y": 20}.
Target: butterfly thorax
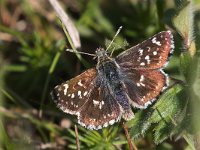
{"x": 106, "y": 66}
{"x": 108, "y": 71}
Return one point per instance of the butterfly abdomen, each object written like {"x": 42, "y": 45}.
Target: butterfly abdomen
{"x": 110, "y": 75}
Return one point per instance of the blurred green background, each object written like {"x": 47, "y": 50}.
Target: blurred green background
{"x": 33, "y": 60}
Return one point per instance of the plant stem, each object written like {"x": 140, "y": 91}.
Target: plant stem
{"x": 131, "y": 144}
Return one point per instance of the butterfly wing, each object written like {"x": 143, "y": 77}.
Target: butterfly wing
{"x": 92, "y": 103}
{"x": 71, "y": 95}
{"x": 143, "y": 86}
{"x": 141, "y": 68}
{"x": 100, "y": 110}
{"x": 150, "y": 54}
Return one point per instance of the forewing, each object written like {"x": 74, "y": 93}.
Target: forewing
{"x": 143, "y": 86}
{"x": 100, "y": 110}
{"x": 71, "y": 95}
{"x": 150, "y": 54}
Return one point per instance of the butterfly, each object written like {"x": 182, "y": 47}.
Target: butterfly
{"x": 104, "y": 94}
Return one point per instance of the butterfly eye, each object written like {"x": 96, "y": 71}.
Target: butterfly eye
{"x": 100, "y": 52}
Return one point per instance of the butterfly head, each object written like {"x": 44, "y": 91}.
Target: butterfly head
{"x": 102, "y": 54}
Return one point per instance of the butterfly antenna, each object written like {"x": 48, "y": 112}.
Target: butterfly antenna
{"x": 114, "y": 39}
{"x": 77, "y": 52}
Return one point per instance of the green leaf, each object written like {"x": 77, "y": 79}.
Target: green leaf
{"x": 4, "y": 138}
{"x": 171, "y": 125}
{"x": 140, "y": 123}
{"x": 120, "y": 142}
{"x": 196, "y": 79}
{"x": 183, "y": 21}
{"x": 183, "y": 126}
{"x": 163, "y": 130}
{"x": 185, "y": 64}
{"x": 92, "y": 137}
{"x": 101, "y": 139}
{"x": 72, "y": 146}
{"x": 168, "y": 104}
{"x": 184, "y": 24}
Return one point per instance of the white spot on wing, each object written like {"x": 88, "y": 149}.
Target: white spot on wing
{"x": 72, "y": 96}
{"x": 140, "y": 52}
{"x": 66, "y": 87}
{"x": 138, "y": 84}
{"x": 95, "y": 102}
{"x": 106, "y": 124}
{"x": 148, "y": 61}
{"x": 141, "y": 78}
{"x": 147, "y": 57}
{"x": 79, "y": 83}
{"x": 79, "y": 94}
{"x": 156, "y": 42}
{"x": 101, "y": 104}
{"x": 85, "y": 93}
{"x": 111, "y": 122}
{"x": 154, "y": 52}
{"x": 142, "y": 64}
{"x": 148, "y": 49}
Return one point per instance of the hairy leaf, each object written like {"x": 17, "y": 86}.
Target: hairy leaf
{"x": 163, "y": 130}
{"x": 169, "y": 103}
{"x": 140, "y": 123}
